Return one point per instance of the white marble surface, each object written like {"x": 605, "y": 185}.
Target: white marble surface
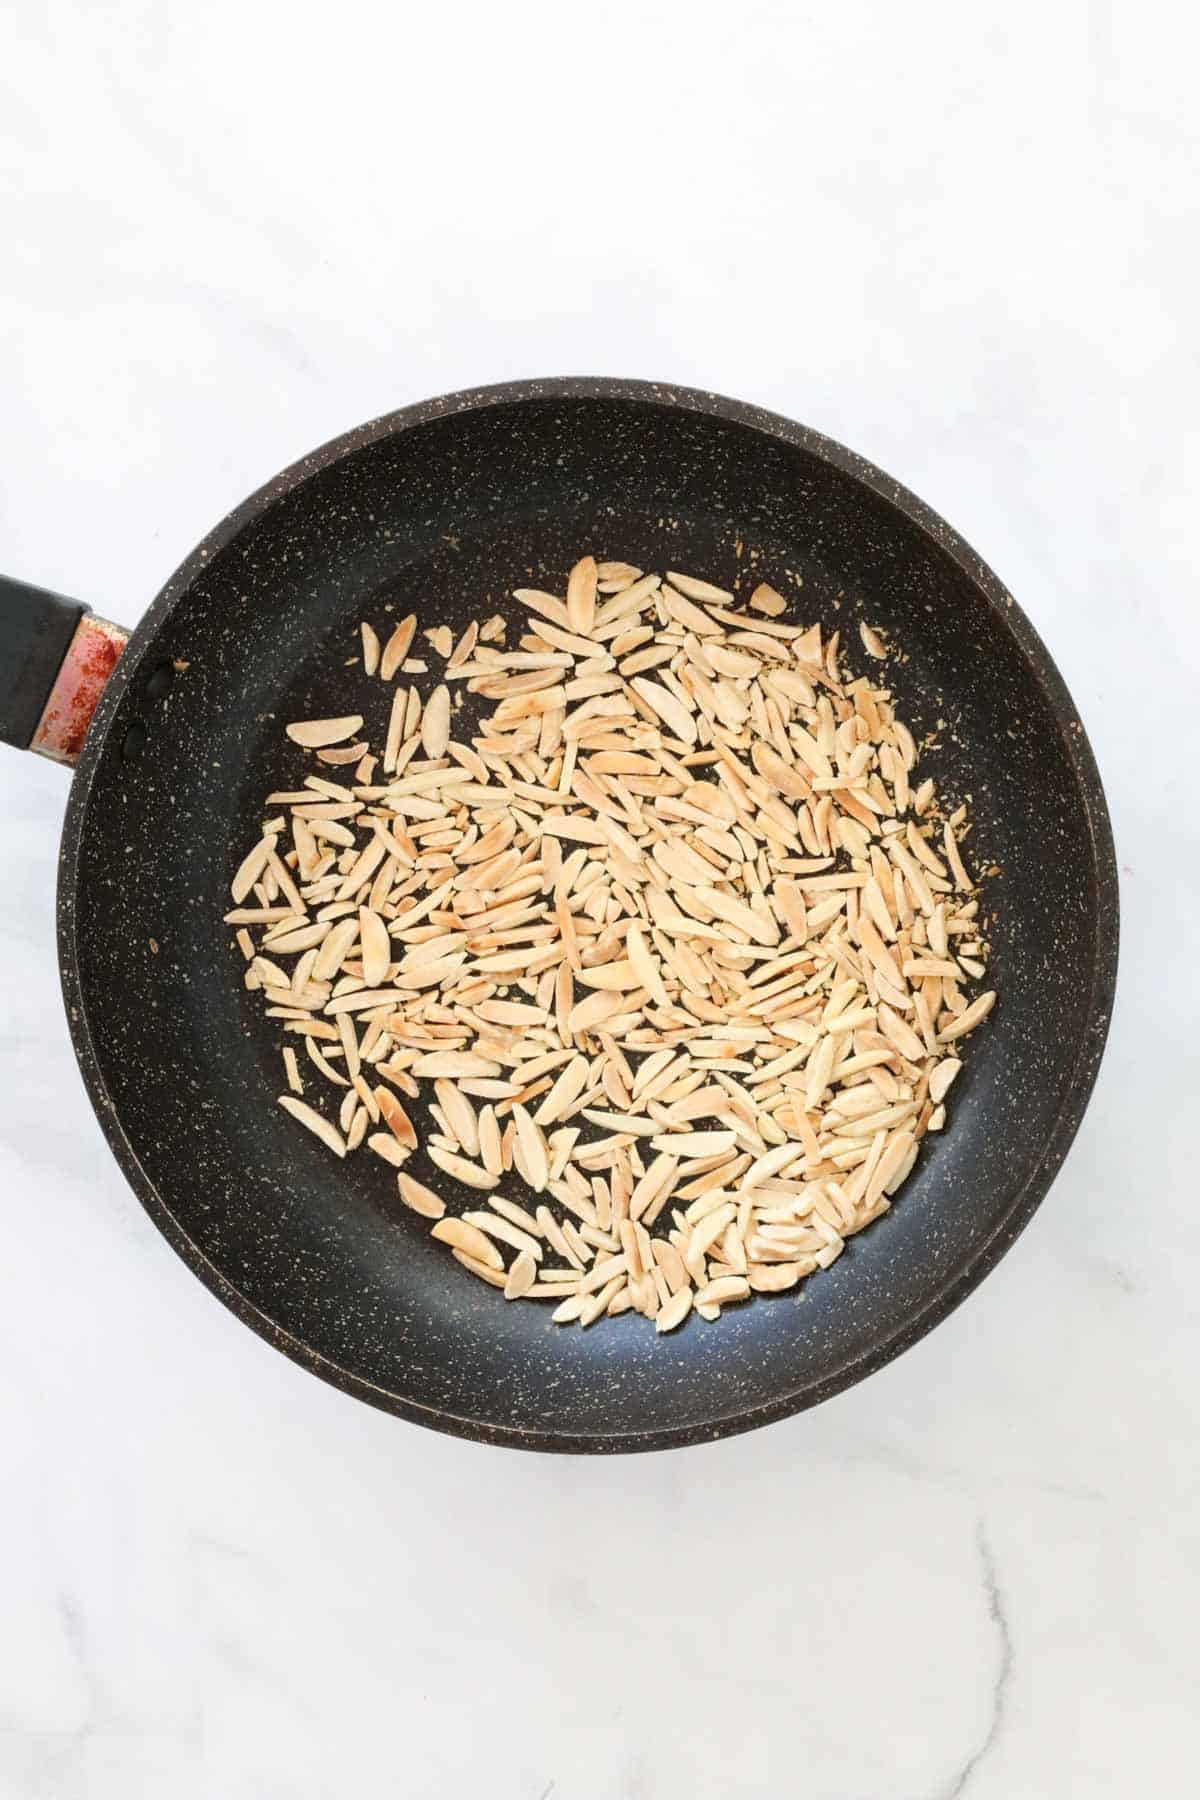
{"x": 960, "y": 239}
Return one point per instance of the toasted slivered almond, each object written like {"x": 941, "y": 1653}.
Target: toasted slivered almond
{"x": 593, "y": 1011}
{"x": 484, "y": 1271}
{"x": 699, "y": 590}
{"x": 533, "y": 1149}
{"x": 455, "y": 1064}
{"x": 962, "y": 880}
{"x": 469, "y": 1173}
{"x": 309, "y": 1117}
{"x": 568, "y": 1086}
{"x": 376, "y": 947}
{"x": 517, "y": 1215}
{"x": 395, "y": 1118}
{"x": 764, "y": 599}
{"x": 315, "y": 734}
{"x": 899, "y": 1033}
{"x": 599, "y": 1303}
{"x": 620, "y": 1121}
{"x": 771, "y": 1162}
{"x": 397, "y": 647}
{"x": 418, "y": 1197}
{"x": 705, "y": 1234}
{"x": 674, "y": 1311}
{"x": 968, "y": 1020}
{"x": 942, "y": 1077}
{"x": 820, "y": 1067}
{"x": 465, "y": 645}
{"x": 581, "y": 595}
{"x": 773, "y": 1278}
{"x": 618, "y": 977}
{"x": 459, "y": 1115}
{"x": 674, "y": 714}
{"x": 762, "y": 930}
{"x": 251, "y": 869}
{"x": 490, "y": 1153}
{"x": 435, "y": 723}
{"x": 672, "y": 896}
{"x": 724, "y": 1291}
{"x": 690, "y": 1146}
{"x": 645, "y": 966}
{"x": 504, "y": 1232}
{"x": 521, "y": 1276}
{"x": 388, "y": 1147}
{"x": 470, "y": 1240}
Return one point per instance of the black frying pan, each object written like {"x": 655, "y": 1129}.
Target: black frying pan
{"x": 444, "y": 507}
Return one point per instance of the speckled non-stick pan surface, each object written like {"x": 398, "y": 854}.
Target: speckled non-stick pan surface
{"x": 442, "y": 509}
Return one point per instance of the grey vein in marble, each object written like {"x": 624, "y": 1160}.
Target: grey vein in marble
{"x": 998, "y": 1615}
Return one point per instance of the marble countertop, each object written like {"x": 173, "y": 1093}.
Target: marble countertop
{"x": 963, "y": 243}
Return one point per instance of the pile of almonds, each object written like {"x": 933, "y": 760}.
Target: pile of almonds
{"x": 673, "y": 937}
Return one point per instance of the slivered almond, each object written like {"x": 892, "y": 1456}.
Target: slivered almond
{"x": 315, "y": 734}
{"x": 459, "y": 1115}
{"x": 593, "y": 1011}
{"x": 386, "y": 1146}
{"x": 504, "y": 1232}
{"x": 645, "y": 966}
{"x": 941, "y": 1079}
{"x": 376, "y": 947}
{"x": 533, "y": 1149}
{"x": 521, "y": 1276}
{"x": 435, "y": 723}
{"x": 397, "y": 647}
{"x": 581, "y": 595}
{"x": 470, "y": 1240}
{"x": 619, "y": 977}
{"x": 312, "y": 1120}
{"x": 724, "y": 1291}
{"x": 903, "y": 1036}
{"x": 673, "y": 713}
{"x": 735, "y": 912}
{"x": 969, "y": 1019}
{"x": 773, "y": 1278}
{"x": 675, "y": 1310}
{"x": 483, "y": 1271}
{"x": 251, "y": 869}
{"x": 764, "y": 599}
{"x": 692, "y": 1145}
{"x": 567, "y": 1088}
{"x": 454, "y": 1064}
{"x": 696, "y": 589}
{"x": 962, "y": 880}
{"x": 469, "y": 1173}
{"x": 490, "y": 1153}
{"x": 418, "y": 1198}
{"x": 395, "y": 1118}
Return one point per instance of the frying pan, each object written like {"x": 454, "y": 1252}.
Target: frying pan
{"x": 442, "y": 508}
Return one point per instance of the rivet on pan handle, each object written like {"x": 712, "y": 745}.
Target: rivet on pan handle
{"x": 55, "y": 658}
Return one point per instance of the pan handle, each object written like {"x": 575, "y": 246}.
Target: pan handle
{"x": 55, "y": 657}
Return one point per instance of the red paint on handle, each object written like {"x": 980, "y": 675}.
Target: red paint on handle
{"x": 90, "y": 660}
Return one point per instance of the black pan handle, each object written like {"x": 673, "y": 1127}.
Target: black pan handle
{"x": 55, "y": 657}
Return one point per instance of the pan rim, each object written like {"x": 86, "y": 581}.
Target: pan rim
{"x": 958, "y": 1285}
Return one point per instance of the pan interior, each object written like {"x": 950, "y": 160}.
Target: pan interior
{"x": 444, "y": 519}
